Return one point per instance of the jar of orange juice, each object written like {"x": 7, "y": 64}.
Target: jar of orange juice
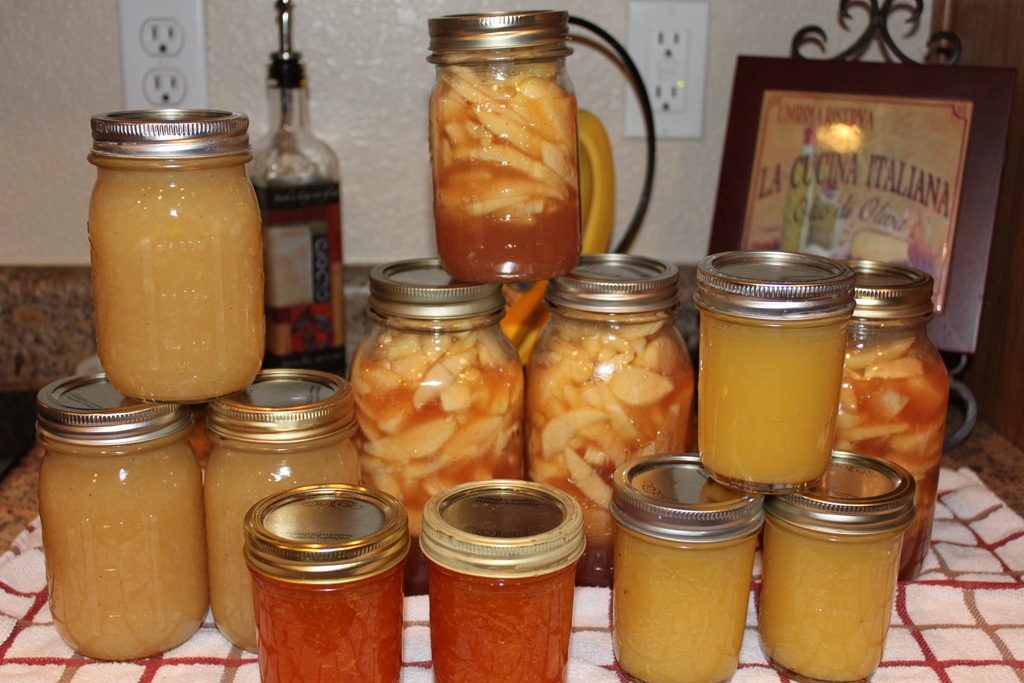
{"x": 121, "y": 505}
{"x": 609, "y": 380}
{"x": 177, "y": 261}
{"x": 896, "y": 388}
{"x": 503, "y": 146}
{"x": 684, "y": 557}
{"x": 772, "y": 342}
{"x": 326, "y": 564}
{"x": 288, "y": 428}
{"x": 438, "y": 390}
{"x": 502, "y": 556}
{"x": 830, "y": 559}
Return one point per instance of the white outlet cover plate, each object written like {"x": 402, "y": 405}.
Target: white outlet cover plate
{"x": 685, "y": 70}
{"x": 144, "y": 72}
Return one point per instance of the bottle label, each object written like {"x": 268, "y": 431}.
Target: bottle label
{"x": 302, "y": 265}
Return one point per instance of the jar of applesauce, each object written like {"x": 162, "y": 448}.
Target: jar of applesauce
{"x": 609, "y": 380}
{"x": 503, "y": 146}
{"x": 502, "y": 557}
{"x": 121, "y": 505}
{"x": 289, "y": 428}
{"x": 326, "y": 564}
{"x": 896, "y": 388}
{"x": 830, "y": 559}
{"x": 438, "y": 390}
{"x": 684, "y": 558}
{"x": 177, "y": 269}
{"x": 772, "y": 342}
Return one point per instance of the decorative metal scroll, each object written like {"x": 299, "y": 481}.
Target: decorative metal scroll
{"x": 943, "y": 46}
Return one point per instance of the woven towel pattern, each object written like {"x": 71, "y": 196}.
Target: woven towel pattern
{"x": 962, "y": 621}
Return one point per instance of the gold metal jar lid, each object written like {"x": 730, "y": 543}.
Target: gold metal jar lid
{"x": 285, "y": 405}
{"x": 460, "y": 33}
{"x": 859, "y": 494}
{"x": 420, "y": 289}
{"x": 886, "y": 291}
{"x": 671, "y": 497}
{"x": 169, "y": 134}
{"x": 503, "y": 528}
{"x": 87, "y": 410}
{"x": 774, "y": 285}
{"x": 616, "y": 283}
{"x": 328, "y": 533}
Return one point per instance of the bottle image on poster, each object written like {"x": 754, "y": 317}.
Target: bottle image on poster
{"x": 800, "y": 198}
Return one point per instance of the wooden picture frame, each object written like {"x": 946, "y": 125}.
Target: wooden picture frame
{"x": 895, "y": 162}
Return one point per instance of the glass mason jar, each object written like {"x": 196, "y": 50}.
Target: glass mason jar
{"x": 502, "y": 557}
{"x": 684, "y": 559}
{"x": 896, "y": 388}
{"x": 503, "y": 146}
{"x": 438, "y": 390}
{"x": 121, "y": 505}
{"x": 177, "y": 270}
{"x": 773, "y": 331}
{"x": 830, "y": 558}
{"x": 609, "y": 380}
{"x": 289, "y": 428}
{"x": 326, "y": 564}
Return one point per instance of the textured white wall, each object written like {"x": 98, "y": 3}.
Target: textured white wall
{"x": 369, "y": 84}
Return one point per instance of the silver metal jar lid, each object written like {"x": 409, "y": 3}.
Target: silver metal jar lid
{"x": 327, "y": 533}
{"x": 616, "y": 283}
{"x": 886, "y": 291}
{"x": 671, "y": 497}
{"x": 503, "y": 528}
{"x": 774, "y": 285}
{"x": 859, "y": 494}
{"x": 285, "y": 405}
{"x": 169, "y": 134}
{"x": 420, "y": 289}
{"x": 460, "y": 33}
{"x": 87, "y": 410}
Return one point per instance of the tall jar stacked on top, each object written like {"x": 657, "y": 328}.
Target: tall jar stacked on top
{"x": 609, "y": 380}
{"x": 177, "y": 258}
{"x": 503, "y": 146}
{"x": 438, "y": 390}
{"x": 772, "y": 342}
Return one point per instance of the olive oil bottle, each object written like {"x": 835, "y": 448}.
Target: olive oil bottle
{"x": 298, "y": 184}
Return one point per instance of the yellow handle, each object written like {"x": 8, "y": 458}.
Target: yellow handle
{"x": 526, "y": 314}
{"x": 597, "y": 184}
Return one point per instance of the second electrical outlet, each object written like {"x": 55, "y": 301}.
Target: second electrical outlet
{"x": 163, "y": 53}
{"x": 668, "y": 41}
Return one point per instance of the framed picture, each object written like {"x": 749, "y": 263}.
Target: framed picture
{"x": 858, "y": 160}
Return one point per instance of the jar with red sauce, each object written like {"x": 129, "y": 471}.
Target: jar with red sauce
{"x": 326, "y": 563}
{"x": 502, "y": 555}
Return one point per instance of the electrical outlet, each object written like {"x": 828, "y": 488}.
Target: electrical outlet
{"x": 668, "y": 41}
{"x": 163, "y": 53}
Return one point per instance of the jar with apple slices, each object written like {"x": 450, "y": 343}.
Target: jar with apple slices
{"x": 438, "y": 390}
{"x": 610, "y": 380}
{"x": 503, "y": 146}
{"x": 895, "y": 388}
